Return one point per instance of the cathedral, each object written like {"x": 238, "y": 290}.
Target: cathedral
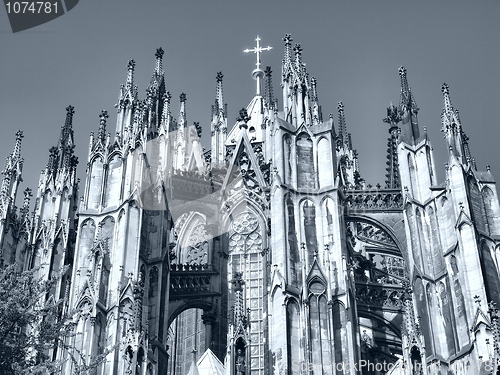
{"x": 267, "y": 254}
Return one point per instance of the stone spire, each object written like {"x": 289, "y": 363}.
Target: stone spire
{"x": 317, "y": 117}
{"x": 268, "y": 88}
{"x": 12, "y": 174}
{"x": 66, "y": 143}
{"x": 218, "y": 124}
{"x": 408, "y": 110}
{"x": 101, "y": 133}
{"x": 182, "y": 111}
{"x": 127, "y": 100}
{"x": 287, "y": 59}
{"x": 392, "y": 176}
{"x": 159, "y": 61}
{"x": 166, "y": 117}
{"x": 130, "y": 75}
{"x": 451, "y": 126}
{"x": 342, "y": 136}
{"x": 219, "y": 107}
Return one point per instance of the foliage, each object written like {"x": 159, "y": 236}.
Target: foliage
{"x": 31, "y": 323}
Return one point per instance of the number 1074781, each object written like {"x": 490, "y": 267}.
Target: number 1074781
{"x": 31, "y": 7}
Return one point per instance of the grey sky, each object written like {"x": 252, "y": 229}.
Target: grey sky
{"x": 353, "y": 48}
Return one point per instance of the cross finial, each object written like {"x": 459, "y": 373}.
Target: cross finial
{"x": 258, "y": 73}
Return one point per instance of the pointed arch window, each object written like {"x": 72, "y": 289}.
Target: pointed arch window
{"x": 490, "y": 206}
{"x": 306, "y": 175}
{"x": 318, "y": 328}
{"x": 247, "y": 256}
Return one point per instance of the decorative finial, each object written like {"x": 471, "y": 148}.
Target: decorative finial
{"x": 288, "y": 40}
{"x": 258, "y": 73}
{"x": 101, "y": 133}
{"x": 342, "y": 124}
{"x": 314, "y": 89}
{"x": 165, "y": 116}
{"x": 243, "y": 118}
{"x": 17, "y": 145}
{"x": 130, "y": 74}
{"x": 393, "y": 117}
{"x": 238, "y": 281}
{"x": 70, "y": 111}
{"x": 159, "y": 55}
{"x": 445, "y": 89}
{"x": 182, "y": 97}
{"x": 219, "y": 99}
{"x": 269, "y": 97}
{"x": 404, "y": 79}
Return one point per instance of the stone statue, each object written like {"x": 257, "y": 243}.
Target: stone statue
{"x": 240, "y": 363}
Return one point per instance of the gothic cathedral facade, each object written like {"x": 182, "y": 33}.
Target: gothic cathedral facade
{"x": 267, "y": 254}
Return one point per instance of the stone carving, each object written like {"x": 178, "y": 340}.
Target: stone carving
{"x": 246, "y": 237}
{"x": 376, "y": 200}
{"x": 197, "y": 246}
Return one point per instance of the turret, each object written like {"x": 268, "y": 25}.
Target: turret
{"x": 126, "y": 102}
{"x": 155, "y": 92}
{"x": 348, "y": 158}
{"x": 269, "y": 99}
{"x": 392, "y": 180}
{"x": 415, "y": 158}
{"x": 456, "y": 139}
{"x": 408, "y": 110}
{"x": 180, "y": 142}
{"x": 219, "y": 124}
{"x": 11, "y": 176}
{"x": 8, "y": 191}
{"x": 59, "y": 177}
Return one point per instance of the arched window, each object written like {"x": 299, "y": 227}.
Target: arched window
{"x": 318, "y": 328}
{"x": 293, "y": 245}
{"x": 306, "y": 175}
{"x": 325, "y": 164}
{"x": 434, "y": 235}
{"x": 246, "y": 256}
{"x": 476, "y": 202}
{"x": 95, "y": 184}
{"x": 152, "y": 300}
{"x": 287, "y": 158}
{"x": 310, "y": 236}
{"x": 490, "y": 206}
{"x": 423, "y": 314}
{"x": 113, "y": 181}
{"x": 293, "y": 333}
{"x": 490, "y": 275}
{"x": 461, "y": 314}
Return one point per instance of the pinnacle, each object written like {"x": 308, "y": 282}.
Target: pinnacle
{"x": 445, "y": 89}
{"x": 159, "y": 53}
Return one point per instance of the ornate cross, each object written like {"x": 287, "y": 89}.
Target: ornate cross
{"x": 258, "y": 49}
{"x": 258, "y": 73}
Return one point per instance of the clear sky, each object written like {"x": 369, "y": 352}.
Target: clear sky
{"x": 353, "y": 48}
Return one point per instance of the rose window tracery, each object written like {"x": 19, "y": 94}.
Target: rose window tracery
{"x": 246, "y": 237}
